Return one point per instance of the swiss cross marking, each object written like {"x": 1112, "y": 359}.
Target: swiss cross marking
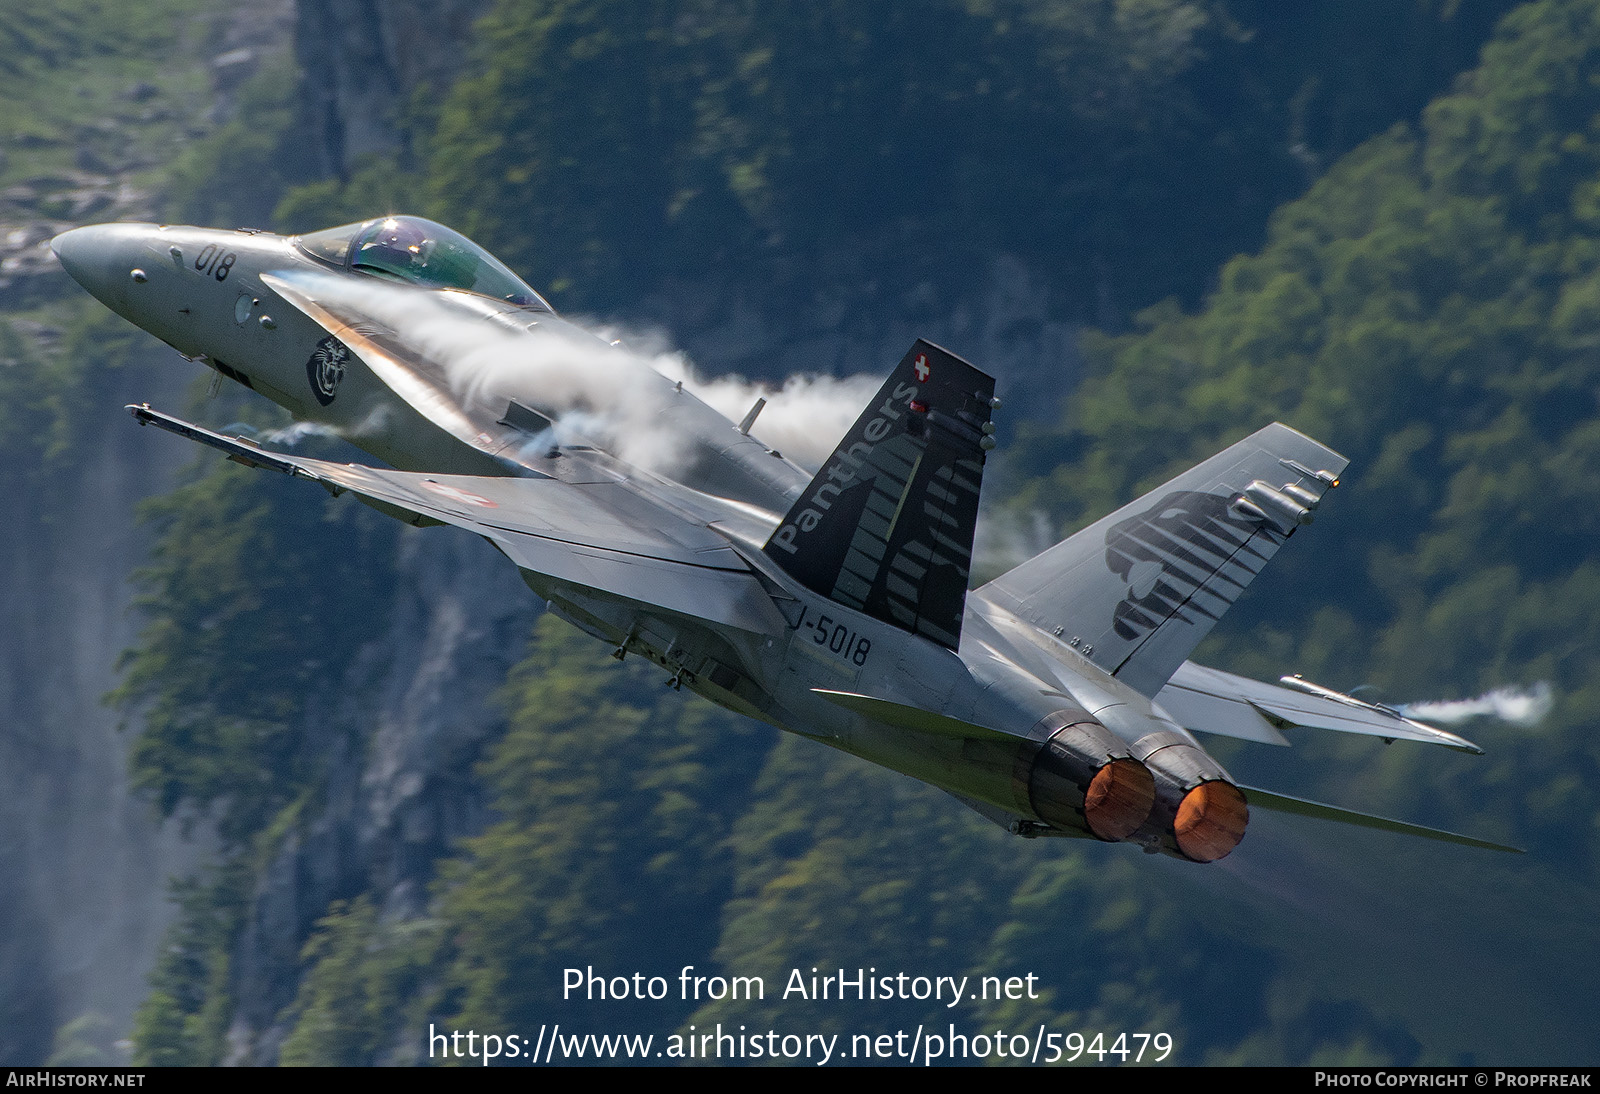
{"x": 921, "y": 368}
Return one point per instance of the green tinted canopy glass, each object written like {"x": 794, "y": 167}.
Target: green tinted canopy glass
{"x": 420, "y": 252}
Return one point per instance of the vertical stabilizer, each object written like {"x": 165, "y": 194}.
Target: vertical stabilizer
{"x": 886, "y": 526}
{"x": 1137, "y": 591}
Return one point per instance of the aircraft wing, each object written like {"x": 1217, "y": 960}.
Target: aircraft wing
{"x": 1212, "y": 701}
{"x": 600, "y": 535}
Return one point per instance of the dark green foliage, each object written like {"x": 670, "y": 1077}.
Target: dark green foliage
{"x": 375, "y": 188}
{"x": 610, "y": 144}
{"x": 616, "y": 797}
{"x": 258, "y": 596}
{"x": 184, "y": 1020}
{"x": 47, "y": 36}
{"x": 86, "y": 1041}
{"x": 361, "y": 981}
{"x": 44, "y": 394}
{"x": 826, "y": 885}
{"x": 66, "y": 70}
{"x": 233, "y": 177}
{"x": 25, "y": 394}
{"x": 1117, "y": 949}
{"x": 602, "y": 146}
{"x": 1413, "y": 311}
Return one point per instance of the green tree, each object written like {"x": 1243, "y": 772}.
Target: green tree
{"x": 614, "y": 798}
{"x": 1425, "y": 309}
{"x": 252, "y": 597}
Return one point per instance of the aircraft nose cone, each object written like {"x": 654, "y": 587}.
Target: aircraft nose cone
{"x": 101, "y": 258}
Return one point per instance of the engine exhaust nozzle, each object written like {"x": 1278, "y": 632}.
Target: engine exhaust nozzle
{"x": 1211, "y": 821}
{"x": 1119, "y": 799}
{"x": 1084, "y": 778}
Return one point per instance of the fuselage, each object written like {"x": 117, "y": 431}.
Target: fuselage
{"x": 329, "y": 344}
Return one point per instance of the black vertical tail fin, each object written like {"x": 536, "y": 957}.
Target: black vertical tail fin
{"x": 886, "y": 526}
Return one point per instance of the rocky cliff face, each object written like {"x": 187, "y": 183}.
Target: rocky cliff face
{"x": 423, "y": 700}
{"x": 361, "y": 60}
{"x": 84, "y": 905}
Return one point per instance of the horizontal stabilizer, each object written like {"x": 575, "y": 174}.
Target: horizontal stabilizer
{"x": 1136, "y": 591}
{"x": 1212, "y": 701}
{"x": 909, "y": 717}
{"x": 1283, "y": 803}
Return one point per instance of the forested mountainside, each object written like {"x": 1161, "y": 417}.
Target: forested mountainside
{"x": 423, "y": 802}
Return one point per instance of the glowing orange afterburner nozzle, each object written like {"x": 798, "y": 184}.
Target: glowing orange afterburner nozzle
{"x": 1082, "y": 778}
{"x": 1119, "y": 799}
{"x": 1211, "y": 821}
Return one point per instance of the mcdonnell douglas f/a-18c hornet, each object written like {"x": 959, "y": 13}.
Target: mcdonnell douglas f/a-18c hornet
{"x": 1057, "y": 700}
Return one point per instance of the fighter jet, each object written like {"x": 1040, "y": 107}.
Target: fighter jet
{"x": 1056, "y": 700}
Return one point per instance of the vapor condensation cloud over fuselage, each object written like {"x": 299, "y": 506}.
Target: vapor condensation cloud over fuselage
{"x": 604, "y": 392}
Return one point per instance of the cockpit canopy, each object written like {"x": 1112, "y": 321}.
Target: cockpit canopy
{"x": 419, "y": 252}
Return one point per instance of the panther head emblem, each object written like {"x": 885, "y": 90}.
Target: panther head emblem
{"x": 326, "y": 368}
{"x": 1167, "y": 552}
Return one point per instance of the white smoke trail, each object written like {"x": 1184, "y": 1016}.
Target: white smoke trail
{"x": 1519, "y": 707}
{"x": 611, "y": 393}
{"x": 292, "y": 434}
{"x": 804, "y": 419}
{"x": 488, "y": 359}
{"x": 1006, "y": 539}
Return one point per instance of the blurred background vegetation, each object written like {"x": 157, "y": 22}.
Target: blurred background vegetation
{"x": 1375, "y": 221}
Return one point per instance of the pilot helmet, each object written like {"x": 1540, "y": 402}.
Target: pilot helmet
{"x": 395, "y": 244}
